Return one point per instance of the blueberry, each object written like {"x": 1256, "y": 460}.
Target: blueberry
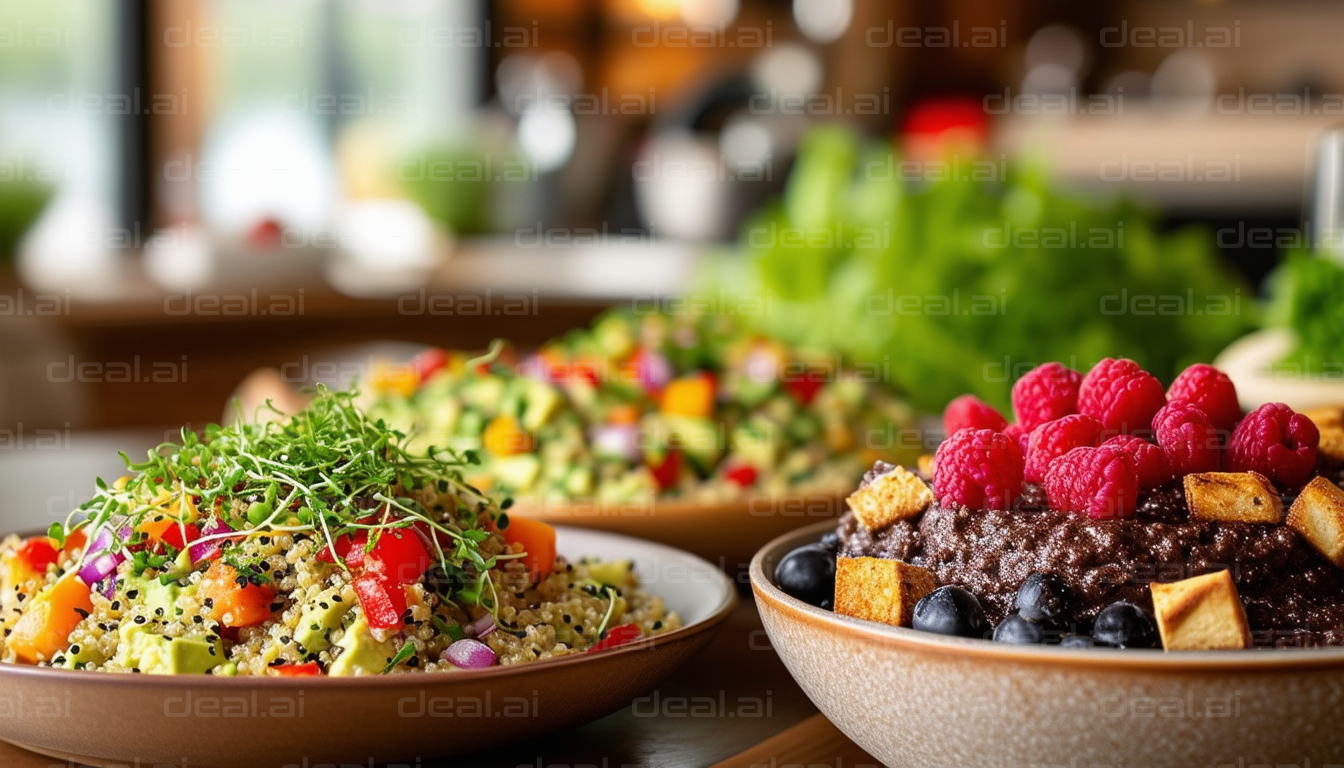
{"x": 1016, "y": 630}
{"x": 1124, "y": 625}
{"x": 808, "y": 573}
{"x": 1077, "y": 641}
{"x": 951, "y": 611}
{"x": 1043, "y": 598}
{"x": 831, "y": 541}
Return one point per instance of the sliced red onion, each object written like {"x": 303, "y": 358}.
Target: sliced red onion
{"x": 96, "y": 568}
{"x": 534, "y": 367}
{"x": 483, "y": 626}
{"x": 98, "y": 561}
{"x": 470, "y": 654}
{"x": 618, "y": 440}
{"x": 654, "y": 370}
{"x": 207, "y": 549}
{"x": 762, "y": 365}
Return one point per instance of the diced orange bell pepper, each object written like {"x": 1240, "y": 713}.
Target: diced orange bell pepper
{"x": 74, "y": 541}
{"x": 690, "y": 396}
{"x": 47, "y": 621}
{"x": 233, "y": 604}
{"x": 538, "y": 541}
{"x": 503, "y": 437}
{"x": 624, "y": 413}
{"x": 395, "y": 377}
{"x": 156, "y": 526}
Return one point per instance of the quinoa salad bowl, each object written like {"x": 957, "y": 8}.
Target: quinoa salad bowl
{"x": 308, "y": 568}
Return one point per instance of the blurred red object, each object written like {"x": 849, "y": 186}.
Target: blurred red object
{"x": 934, "y": 128}
{"x": 265, "y": 233}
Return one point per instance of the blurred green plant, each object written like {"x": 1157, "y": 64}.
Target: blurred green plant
{"x": 962, "y": 285}
{"x": 21, "y": 202}
{"x": 1305, "y": 294}
{"x": 455, "y": 185}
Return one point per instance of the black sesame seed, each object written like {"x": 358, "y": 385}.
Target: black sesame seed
{"x": 139, "y": 619}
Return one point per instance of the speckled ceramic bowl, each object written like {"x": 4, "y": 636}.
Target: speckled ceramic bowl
{"x": 911, "y": 698}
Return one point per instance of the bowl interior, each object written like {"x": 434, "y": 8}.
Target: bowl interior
{"x": 692, "y": 587}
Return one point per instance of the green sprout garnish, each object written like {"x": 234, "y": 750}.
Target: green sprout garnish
{"x": 611, "y": 608}
{"x": 327, "y": 471}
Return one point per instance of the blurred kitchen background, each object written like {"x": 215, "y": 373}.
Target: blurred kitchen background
{"x": 192, "y": 189}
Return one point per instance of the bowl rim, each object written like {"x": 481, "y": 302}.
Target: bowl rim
{"x": 769, "y": 596}
{"x": 710, "y": 622}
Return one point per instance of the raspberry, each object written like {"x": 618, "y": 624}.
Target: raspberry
{"x": 1150, "y": 461}
{"x": 1121, "y": 395}
{"x": 1189, "y": 440}
{"x": 1098, "y": 482}
{"x": 978, "y": 468}
{"x": 1020, "y": 434}
{"x": 970, "y": 412}
{"x": 1056, "y": 438}
{"x": 1276, "y": 442}
{"x": 1046, "y": 393}
{"x": 1209, "y": 390}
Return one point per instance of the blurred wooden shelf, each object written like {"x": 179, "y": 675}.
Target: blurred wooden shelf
{"x": 207, "y": 342}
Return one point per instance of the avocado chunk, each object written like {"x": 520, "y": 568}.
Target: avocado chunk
{"x": 516, "y": 472}
{"x": 320, "y": 617}
{"x": 141, "y": 648}
{"x": 360, "y": 653}
{"x": 542, "y": 401}
{"x": 699, "y": 438}
{"x": 160, "y": 655}
{"x": 484, "y": 393}
{"x": 613, "y": 573}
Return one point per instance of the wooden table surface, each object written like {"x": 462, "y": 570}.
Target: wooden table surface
{"x": 736, "y": 678}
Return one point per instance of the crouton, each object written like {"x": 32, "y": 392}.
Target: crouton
{"x": 1318, "y": 515}
{"x": 897, "y": 495}
{"x": 1200, "y": 614}
{"x": 878, "y": 589}
{"x": 1241, "y": 497}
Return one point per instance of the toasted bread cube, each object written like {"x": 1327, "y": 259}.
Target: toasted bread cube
{"x": 1331, "y": 447}
{"x": 1330, "y": 416}
{"x": 925, "y": 464}
{"x": 1318, "y": 514}
{"x": 1238, "y": 497}
{"x": 897, "y": 495}
{"x": 878, "y": 589}
{"x": 1201, "y": 614}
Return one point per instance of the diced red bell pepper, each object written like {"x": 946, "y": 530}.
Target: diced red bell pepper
{"x": 616, "y": 636}
{"x": 383, "y": 602}
{"x": 806, "y": 386}
{"x": 403, "y": 557}
{"x": 399, "y": 558}
{"x": 37, "y": 553}
{"x": 173, "y": 536}
{"x": 743, "y": 474}
{"x": 665, "y": 472}
{"x": 311, "y": 669}
{"x": 429, "y": 362}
